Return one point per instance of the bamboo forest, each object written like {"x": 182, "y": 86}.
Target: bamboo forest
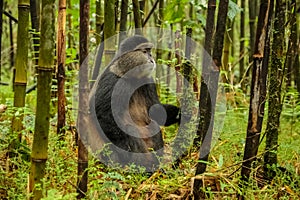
{"x": 150, "y": 99}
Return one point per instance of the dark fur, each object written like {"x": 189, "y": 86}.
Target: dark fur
{"x": 143, "y": 99}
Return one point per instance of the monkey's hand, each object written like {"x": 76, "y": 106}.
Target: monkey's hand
{"x": 165, "y": 114}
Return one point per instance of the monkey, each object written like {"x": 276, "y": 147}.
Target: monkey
{"x": 128, "y": 108}
{"x": 131, "y": 43}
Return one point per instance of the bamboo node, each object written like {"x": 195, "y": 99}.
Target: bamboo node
{"x": 258, "y": 55}
{"x": 44, "y": 68}
{"x": 40, "y": 160}
{"x": 109, "y": 51}
{"x": 20, "y": 83}
{"x": 25, "y": 5}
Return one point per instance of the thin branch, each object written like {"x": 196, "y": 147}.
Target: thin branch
{"x": 150, "y": 13}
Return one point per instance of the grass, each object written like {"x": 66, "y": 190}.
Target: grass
{"x": 221, "y": 179}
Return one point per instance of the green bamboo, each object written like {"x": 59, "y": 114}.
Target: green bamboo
{"x": 69, "y": 25}
{"x": 99, "y": 21}
{"x": 242, "y": 45}
{"x": 1, "y": 24}
{"x": 159, "y": 52}
{"x": 137, "y": 17}
{"x": 109, "y": 30}
{"x": 39, "y": 153}
{"x": 123, "y": 20}
{"x": 35, "y": 25}
{"x": 21, "y": 65}
{"x": 276, "y": 78}
{"x": 226, "y": 52}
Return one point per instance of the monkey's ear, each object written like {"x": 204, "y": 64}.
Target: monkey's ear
{"x": 147, "y": 45}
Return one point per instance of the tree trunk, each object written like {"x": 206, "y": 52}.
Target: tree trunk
{"x": 188, "y": 46}
{"x": 292, "y": 45}
{"x": 137, "y": 17}
{"x": 178, "y": 56}
{"x": 204, "y": 94}
{"x": 232, "y": 36}
{"x": 99, "y": 21}
{"x": 242, "y": 45}
{"x": 39, "y": 153}
{"x": 98, "y": 62}
{"x": 226, "y": 51}
{"x": 275, "y": 99}
{"x": 116, "y": 13}
{"x": 142, "y": 4}
{"x": 83, "y": 111}
{"x": 181, "y": 142}
{"x": 109, "y": 30}
{"x": 210, "y": 86}
{"x": 1, "y": 26}
{"x": 151, "y": 12}
{"x": 35, "y": 25}
{"x": 213, "y": 81}
{"x": 123, "y": 20}
{"x": 170, "y": 43}
{"x": 20, "y": 80}
{"x": 296, "y": 67}
{"x": 252, "y": 6}
{"x": 258, "y": 87}
{"x": 61, "y": 59}
{"x": 69, "y": 18}
{"x": 159, "y": 72}
{"x": 12, "y": 49}
{"x": 252, "y": 25}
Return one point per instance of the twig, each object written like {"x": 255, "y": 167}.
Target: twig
{"x": 150, "y": 13}
{"x": 128, "y": 194}
{"x": 77, "y": 188}
{"x": 10, "y": 16}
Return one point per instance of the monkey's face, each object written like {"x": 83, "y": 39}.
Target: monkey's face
{"x": 147, "y": 68}
{"x": 138, "y": 63}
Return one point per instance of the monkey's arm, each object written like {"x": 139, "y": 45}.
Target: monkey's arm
{"x": 165, "y": 114}
{"x": 173, "y": 114}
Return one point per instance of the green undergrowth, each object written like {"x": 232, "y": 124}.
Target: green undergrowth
{"x": 221, "y": 179}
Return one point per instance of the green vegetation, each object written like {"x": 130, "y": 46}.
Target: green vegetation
{"x": 105, "y": 183}
{"x": 222, "y": 178}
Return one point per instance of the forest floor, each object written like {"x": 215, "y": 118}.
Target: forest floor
{"x": 221, "y": 179}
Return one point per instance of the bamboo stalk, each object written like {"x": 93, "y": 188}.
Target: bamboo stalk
{"x": 35, "y": 24}
{"x": 137, "y": 17}
{"x": 39, "y": 153}
{"x": 20, "y": 80}
{"x": 1, "y": 25}
{"x": 83, "y": 111}
{"x": 258, "y": 89}
{"x": 109, "y": 30}
{"x": 209, "y": 85}
{"x": 275, "y": 99}
{"x": 12, "y": 49}
{"x": 61, "y": 59}
{"x": 123, "y": 20}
